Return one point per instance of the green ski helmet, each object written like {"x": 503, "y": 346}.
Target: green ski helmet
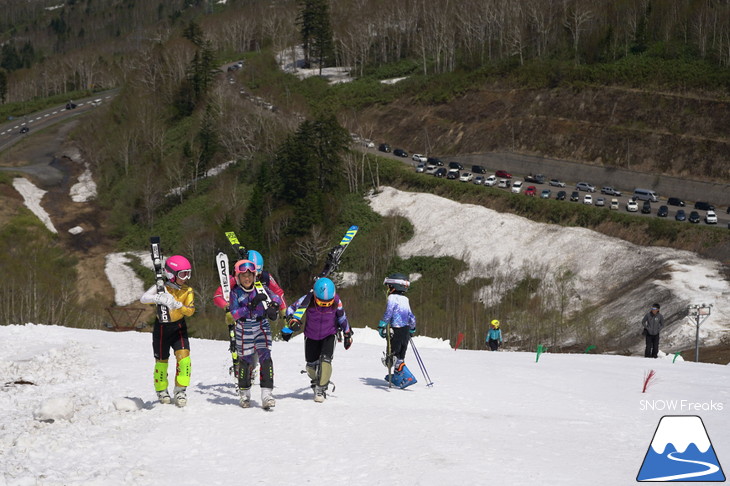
{"x": 397, "y": 282}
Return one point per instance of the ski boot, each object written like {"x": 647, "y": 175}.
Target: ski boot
{"x": 181, "y": 398}
{"x": 320, "y": 393}
{"x": 244, "y": 397}
{"x": 164, "y": 397}
{"x": 267, "y": 400}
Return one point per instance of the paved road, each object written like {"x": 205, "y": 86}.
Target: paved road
{"x": 623, "y": 180}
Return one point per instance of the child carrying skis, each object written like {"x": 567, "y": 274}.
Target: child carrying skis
{"x": 325, "y": 317}
{"x": 494, "y": 336}
{"x": 253, "y": 332}
{"x": 398, "y": 325}
{"x": 179, "y": 298}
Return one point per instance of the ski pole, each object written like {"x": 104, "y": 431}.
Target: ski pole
{"x": 420, "y": 363}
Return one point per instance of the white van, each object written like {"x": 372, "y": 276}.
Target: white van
{"x": 646, "y": 195}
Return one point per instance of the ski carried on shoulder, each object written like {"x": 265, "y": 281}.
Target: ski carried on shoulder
{"x": 333, "y": 260}
{"x": 243, "y": 255}
{"x": 221, "y": 263}
{"x": 163, "y": 313}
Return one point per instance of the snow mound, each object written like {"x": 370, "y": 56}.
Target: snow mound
{"x": 55, "y": 409}
{"x": 85, "y": 189}
{"x": 127, "y": 404}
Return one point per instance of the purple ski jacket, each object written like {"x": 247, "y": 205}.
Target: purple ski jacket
{"x": 322, "y": 321}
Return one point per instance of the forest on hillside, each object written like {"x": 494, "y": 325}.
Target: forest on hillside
{"x": 295, "y": 183}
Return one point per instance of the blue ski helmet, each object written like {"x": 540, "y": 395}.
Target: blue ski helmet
{"x": 324, "y": 292}
{"x": 256, "y": 257}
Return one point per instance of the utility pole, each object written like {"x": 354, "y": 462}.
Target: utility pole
{"x": 699, "y": 313}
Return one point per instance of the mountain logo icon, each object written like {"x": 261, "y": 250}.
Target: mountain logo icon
{"x": 680, "y": 451}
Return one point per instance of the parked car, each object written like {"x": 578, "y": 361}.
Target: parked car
{"x": 694, "y": 217}
{"x": 663, "y": 211}
{"x": 704, "y": 206}
{"x": 452, "y": 174}
{"x": 680, "y": 216}
{"x": 430, "y": 169}
{"x": 711, "y": 217}
{"x": 600, "y": 201}
{"x": 517, "y": 187}
{"x": 675, "y": 201}
{"x": 440, "y": 172}
{"x": 646, "y": 207}
{"x": 419, "y": 158}
{"x": 545, "y": 194}
{"x": 420, "y": 168}
{"x": 503, "y": 174}
{"x": 490, "y": 181}
{"x": 584, "y": 186}
{"x": 557, "y": 183}
{"x": 400, "y": 153}
{"x": 632, "y": 206}
{"x": 574, "y": 196}
{"x": 536, "y": 178}
{"x": 503, "y": 183}
{"x": 587, "y": 199}
{"x": 610, "y": 191}
{"x": 530, "y": 191}
{"x": 614, "y": 204}
{"x": 368, "y": 143}
{"x": 466, "y": 177}
{"x": 456, "y": 165}
{"x": 384, "y": 147}
{"x": 435, "y": 161}
{"x": 560, "y": 196}
{"x": 478, "y": 169}
{"x": 478, "y": 180}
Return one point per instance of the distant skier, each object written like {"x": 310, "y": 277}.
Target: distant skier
{"x": 179, "y": 298}
{"x": 398, "y": 325}
{"x": 325, "y": 317}
{"x": 494, "y": 336}
{"x": 653, "y": 322}
{"x": 253, "y": 332}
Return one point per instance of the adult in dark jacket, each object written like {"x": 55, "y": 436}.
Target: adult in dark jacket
{"x": 653, "y": 323}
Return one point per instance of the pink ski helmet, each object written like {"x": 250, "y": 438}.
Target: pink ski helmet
{"x": 177, "y": 267}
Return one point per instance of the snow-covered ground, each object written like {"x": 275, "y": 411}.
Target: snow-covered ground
{"x": 78, "y": 408}
{"x": 32, "y": 197}
{"x": 492, "y": 243}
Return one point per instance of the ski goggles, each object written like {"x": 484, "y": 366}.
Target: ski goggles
{"x": 324, "y": 303}
{"x": 244, "y": 266}
{"x": 183, "y": 274}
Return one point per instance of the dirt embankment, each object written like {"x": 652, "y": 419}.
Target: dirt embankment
{"x": 672, "y": 134}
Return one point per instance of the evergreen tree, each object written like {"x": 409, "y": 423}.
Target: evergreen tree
{"x": 316, "y": 32}
{"x": 3, "y": 85}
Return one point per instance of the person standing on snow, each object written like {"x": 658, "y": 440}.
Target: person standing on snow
{"x": 253, "y": 332}
{"x": 653, "y": 322}
{"x": 494, "y": 336}
{"x": 325, "y": 317}
{"x": 398, "y": 325}
{"x": 179, "y": 298}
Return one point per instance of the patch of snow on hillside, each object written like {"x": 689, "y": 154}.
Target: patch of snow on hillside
{"x": 128, "y": 287}
{"x": 291, "y": 60}
{"x": 85, "y": 189}
{"x": 32, "y": 197}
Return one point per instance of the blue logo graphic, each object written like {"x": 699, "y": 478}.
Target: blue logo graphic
{"x": 681, "y": 451}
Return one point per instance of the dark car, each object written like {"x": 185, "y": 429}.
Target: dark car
{"x": 452, "y": 174}
{"x": 400, "y": 153}
{"x": 440, "y": 172}
{"x": 478, "y": 169}
{"x": 675, "y": 201}
{"x": 24, "y": 130}
{"x": 574, "y": 196}
{"x": 694, "y": 217}
{"x": 662, "y": 212}
{"x": 680, "y": 216}
{"x": 560, "y": 196}
{"x": 503, "y": 174}
{"x": 70, "y": 105}
{"x": 455, "y": 165}
{"x": 435, "y": 161}
{"x": 384, "y": 147}
{"x": 704, "y": 206}
{"x": 646, "y": 207}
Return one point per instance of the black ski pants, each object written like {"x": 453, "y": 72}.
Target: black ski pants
{"x": 652, "y": 346}
{"x": 399, "y": 341}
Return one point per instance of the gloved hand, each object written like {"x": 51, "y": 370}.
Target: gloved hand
{"x": 382, "y": 328}
{"x": 256, "y": 300}
{"x": 272, "y": 313}
{"x": 348, "y": 339}
{"x": 286, "y": 333}
{"x": 167, "y": 300}
{"x": 412, "y": 332}
{"x": 294, "y": 325}
{"x": 229, "y": 319}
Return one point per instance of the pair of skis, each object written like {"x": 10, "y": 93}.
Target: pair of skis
{"x": 163, "y": 312}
